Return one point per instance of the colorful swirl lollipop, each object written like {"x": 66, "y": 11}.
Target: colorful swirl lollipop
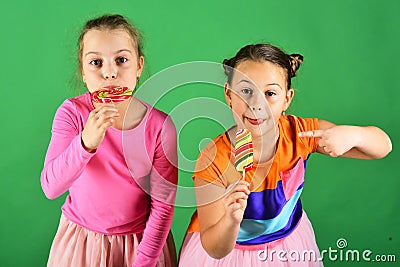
{"x": 243, "y": 151}
{"x": 111, "y": 94}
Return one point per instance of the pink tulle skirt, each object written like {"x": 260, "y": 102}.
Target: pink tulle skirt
{"x": 297, "y": 249}
{"x": 75, "y": 246}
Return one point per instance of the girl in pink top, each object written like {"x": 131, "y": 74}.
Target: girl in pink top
{"x": 118, "y": 161}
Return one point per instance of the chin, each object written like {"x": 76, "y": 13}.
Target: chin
{"x": 262, "y": 129}
{"x": 256, "y": 130}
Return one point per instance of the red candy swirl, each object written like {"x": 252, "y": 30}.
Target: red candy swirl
{"x": 112, "y": 94}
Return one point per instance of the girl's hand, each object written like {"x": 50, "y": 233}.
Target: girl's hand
{"x": 236, "y": 200}
{"x": 100, "y": 119}
{"x": 336, "y": 140}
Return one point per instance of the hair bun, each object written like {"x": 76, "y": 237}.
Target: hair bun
{"x": 227, "y": 66}
{"x": 295, "y": 62}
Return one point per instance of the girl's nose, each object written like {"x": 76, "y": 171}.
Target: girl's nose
{"x": 110, "y": 75}
{"x": 257, "y": 108}
{"x": 109, "y": 72}
{"x": 257, "y": 103}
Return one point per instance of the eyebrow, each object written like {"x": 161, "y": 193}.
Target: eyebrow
{"x": 269, "y": 84}
{"x": 116, "y": 52}
{"x": 277, "y": 84}
{"x": 245, "y": 81}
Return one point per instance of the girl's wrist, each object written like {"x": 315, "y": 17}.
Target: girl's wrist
{"x": 90, "y": 150}
{"x": 230, "y": 223}
{"x": 357, "y": 135}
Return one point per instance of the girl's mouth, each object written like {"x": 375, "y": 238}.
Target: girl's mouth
{"x": 255, "y": 121}
{"x": 111, "y": 86}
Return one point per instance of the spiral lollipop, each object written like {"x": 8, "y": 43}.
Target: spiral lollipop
{"x": 111, "y": 94}
{"x": 243, "y": 151}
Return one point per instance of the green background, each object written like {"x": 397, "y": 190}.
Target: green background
{"x": 350, "y": 76}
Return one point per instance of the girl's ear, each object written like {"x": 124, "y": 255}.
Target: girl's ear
{"x": 288, "y": 99}
{"x": 140, "y": 65}
{"x": 83, "y": 76}
{"x": 227, "y": 93}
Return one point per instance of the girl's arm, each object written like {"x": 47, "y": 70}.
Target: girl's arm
{"x": 71, "y": 147}
{"x": 162, "y": 189}
{"x": 65, "y": 158}
{"x": 347, "y": 141}
{"x": 220, "y": 212}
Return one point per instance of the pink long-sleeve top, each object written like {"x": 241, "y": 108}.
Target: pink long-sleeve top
{"x": 127, "y": 186}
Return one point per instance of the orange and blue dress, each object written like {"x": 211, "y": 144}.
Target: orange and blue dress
{"x": 274, "y": 218}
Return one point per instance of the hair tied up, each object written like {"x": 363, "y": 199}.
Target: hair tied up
{"x": 227, "y": 66}
{"x": 295, "y": 62}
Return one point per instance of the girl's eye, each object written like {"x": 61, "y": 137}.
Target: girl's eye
{"x": 270, "y": 93}
{"x": 122, "y": 60}
{"x": 96, "y": 62}
{"x": 247, "y": 91}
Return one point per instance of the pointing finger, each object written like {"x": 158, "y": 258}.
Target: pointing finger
{"x": 311, "y": 134}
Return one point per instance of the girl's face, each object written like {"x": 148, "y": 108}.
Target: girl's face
{"x": 109, "y": 58}
{"x": 258, "y": 95}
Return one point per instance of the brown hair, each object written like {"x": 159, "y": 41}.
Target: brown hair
{"x": 264, "y": 52}
{"x": 110, "y": 22}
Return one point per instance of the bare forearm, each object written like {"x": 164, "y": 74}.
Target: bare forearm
{"x": 362, "y": 142}
{"x": 220, "y": 220}
{"x": 220, "y": 239}
{"x": 372, "y": 142}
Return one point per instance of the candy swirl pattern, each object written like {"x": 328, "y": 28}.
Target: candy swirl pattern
{"x": 108, "y": 95}
{"x": 243, "y": 150}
